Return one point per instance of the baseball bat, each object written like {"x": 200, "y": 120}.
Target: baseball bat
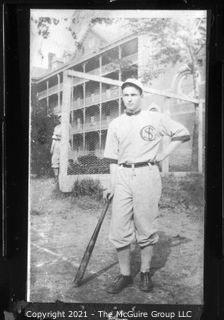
{"x": 89, "y": 248}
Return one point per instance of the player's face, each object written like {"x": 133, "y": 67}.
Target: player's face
{"x": 132, "y": 99}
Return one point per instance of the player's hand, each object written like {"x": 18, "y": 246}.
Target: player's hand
{"x": 109, "y": 194}
{"x": 158, "y": 158}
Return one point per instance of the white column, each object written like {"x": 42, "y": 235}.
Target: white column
{"x": 66, "y": 103}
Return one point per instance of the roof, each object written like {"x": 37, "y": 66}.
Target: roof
{"x": 50, "y": 73}
{"x": 38, "y": 72}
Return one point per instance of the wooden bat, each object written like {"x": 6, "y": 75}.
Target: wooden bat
{"x": 89, "y": 249}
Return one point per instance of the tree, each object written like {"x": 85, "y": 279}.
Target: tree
{"x": 173, "y": 41}
{"x": 77, "y": 25}
{"x": 176, "y": 41}
{"x": 41, "y": 132}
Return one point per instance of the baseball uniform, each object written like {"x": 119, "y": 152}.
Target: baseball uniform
{"x": 57, "y": 146}
{"x": 56, "y": 149}
{"x": 135, "y": 139}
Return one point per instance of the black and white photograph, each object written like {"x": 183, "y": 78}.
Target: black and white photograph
{"x": 117, "y": 156}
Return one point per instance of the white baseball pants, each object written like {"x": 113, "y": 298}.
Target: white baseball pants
{"x": 135, "y": 206}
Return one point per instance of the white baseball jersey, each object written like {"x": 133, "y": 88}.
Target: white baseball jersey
{"x": 57, "y": 146}
{"x": 136, "y": 138}
{"x": 57, "y": 132}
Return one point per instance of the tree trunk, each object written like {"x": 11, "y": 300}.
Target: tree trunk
{"x": 194, "y": 154}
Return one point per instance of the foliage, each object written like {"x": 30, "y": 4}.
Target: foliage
{"x": 42, "y": 127}
{"x": 88, "y": 187}
{"x": 175, "y": 41}
{"x": 172, "y": 41}
{"x": 43, "y": 25}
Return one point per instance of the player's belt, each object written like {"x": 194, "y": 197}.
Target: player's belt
{"x": 136, "y": 165}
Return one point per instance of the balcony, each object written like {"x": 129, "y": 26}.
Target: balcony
{"x": 90, "y": 126}
{"x": 110, "y": 67}
{"x": 77, "y": 81}
{"x": 76, "y": 128}
{"x": 77, "y": 104}
{"x": 110, "y": 94}
{"x": 132, "y": 59}
{"x": 52, "y": 90}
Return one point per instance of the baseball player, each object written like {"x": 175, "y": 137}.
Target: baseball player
{"x": 55, "y": 149}
{"x": 132, "y": 145}
{"x": 56, "y": 146}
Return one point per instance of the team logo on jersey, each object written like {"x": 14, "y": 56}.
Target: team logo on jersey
{"x": 148, "y": 133}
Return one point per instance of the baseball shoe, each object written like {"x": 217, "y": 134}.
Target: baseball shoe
{"x": 119, "y": 284}
{"x": 145, "y": 282}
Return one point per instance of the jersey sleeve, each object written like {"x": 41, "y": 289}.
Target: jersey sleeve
{"x": 111, "y": 147}
{"x": 175, "y": 130}
{"x": 57, "y": 133}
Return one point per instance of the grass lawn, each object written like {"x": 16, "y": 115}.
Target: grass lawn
{"x": 62, "y": 225}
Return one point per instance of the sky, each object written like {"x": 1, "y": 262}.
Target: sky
{"x": 61, "y": 39}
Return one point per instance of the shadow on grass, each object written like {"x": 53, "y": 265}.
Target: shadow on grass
{"x": 162, "y": 250}
{"x": 161, "y": 253}
{"x": 97, "y": 274}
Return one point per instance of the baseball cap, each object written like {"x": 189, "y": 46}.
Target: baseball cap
{"x": 133, "y": 82}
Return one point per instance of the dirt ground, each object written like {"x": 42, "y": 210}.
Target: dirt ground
{"x": 61, "y": 227}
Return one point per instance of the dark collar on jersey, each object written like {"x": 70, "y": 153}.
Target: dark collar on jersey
{"x": 132, "y": 114}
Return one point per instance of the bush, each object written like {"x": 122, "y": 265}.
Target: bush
{"x": 88, "y": 187}
{"x": 42, "y": 127}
